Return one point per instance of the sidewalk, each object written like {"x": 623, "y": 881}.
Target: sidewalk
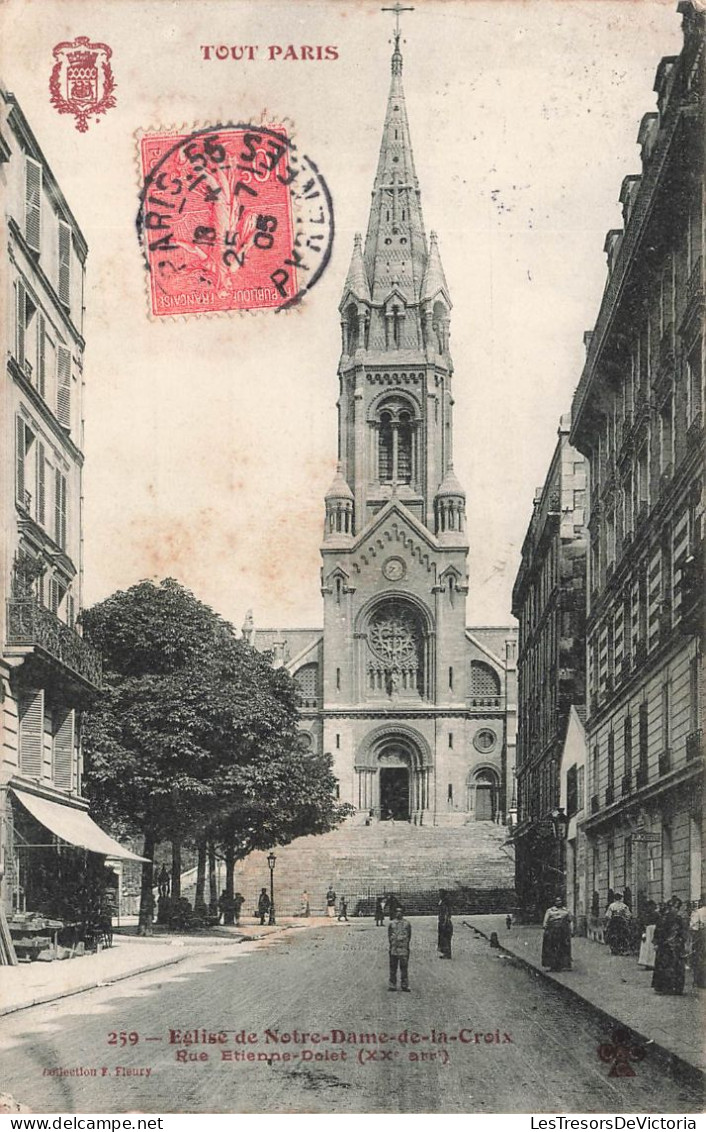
{"x": 29, "y": 984}
{"x": 616, "y": 987}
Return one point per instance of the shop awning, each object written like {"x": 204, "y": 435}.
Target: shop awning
{"x": 73, "y": 826}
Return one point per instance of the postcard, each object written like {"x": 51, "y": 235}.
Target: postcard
{"x": 345, "y": 769}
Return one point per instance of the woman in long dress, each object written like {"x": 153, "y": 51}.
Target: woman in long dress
{"x": 646, "y": 958}
{"x": 670, "y": 945}
{"x": 446, "y": 928}
{"x": 617, "y": 926}
{"x": 556, "y": 941}
{"x": 698, "y": 943}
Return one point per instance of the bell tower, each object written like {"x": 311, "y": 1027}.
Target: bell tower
{"x": 395, "y": 407}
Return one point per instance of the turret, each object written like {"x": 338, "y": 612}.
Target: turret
{"x": 450, "y": 510}
{"x": 339, "y": 509}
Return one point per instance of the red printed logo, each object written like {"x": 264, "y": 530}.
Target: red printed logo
{"x": 82, "y": 80}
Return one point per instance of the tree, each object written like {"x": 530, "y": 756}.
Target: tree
{"x": 195, "y": 735}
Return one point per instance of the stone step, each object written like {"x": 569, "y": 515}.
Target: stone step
{"x": 414, "y": 863}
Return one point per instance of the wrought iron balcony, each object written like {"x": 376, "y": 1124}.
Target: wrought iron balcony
{"x": 31, "y": 625}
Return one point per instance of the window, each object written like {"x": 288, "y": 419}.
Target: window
{"x": 581, "y": 788}
{"x": 666, "y": 722}
{"x": 33, "y": 203}
{"x": 64, "y": 280}
{"x": 63, "y": 395}
{"x": 307, "y": 681}
{"x": 396, "y": 428}
{"x": 611, "y": 759}
{"x": 31, "y": 737}
{"x": 693, "y": 389}
{"x": 60, "y": 508}
{"x": 63, "y": 748}
{"x": 643, "y": 738}
{"x": 24, "y": 455}
{"x": 666, "y": 430}
{"x": 571, "y": 791}
{"x": 627, "y": 746}
{"x": 451, "y": 740}
{"x": 484, "y": 680}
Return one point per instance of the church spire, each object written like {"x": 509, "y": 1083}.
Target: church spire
{"x": 395, "y": 244}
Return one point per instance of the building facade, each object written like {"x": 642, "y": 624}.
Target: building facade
{"x": 417, "y": 710}
{"x": 549, "y": 600}
{"x": 47, "y": 672}
{"x": 638, "y": 418}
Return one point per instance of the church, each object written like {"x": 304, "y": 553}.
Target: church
{"x": 417, "y": 709}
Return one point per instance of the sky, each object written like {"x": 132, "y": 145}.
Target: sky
{"x": 210, "y": 441}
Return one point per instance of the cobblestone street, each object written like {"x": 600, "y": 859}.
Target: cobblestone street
{"x": 478, "y": 1034}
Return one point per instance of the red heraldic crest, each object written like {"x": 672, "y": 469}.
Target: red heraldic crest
{"x": 82, "y": 80}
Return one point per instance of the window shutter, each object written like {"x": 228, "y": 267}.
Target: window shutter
{"x": 41, "y": 484}
{"x": 60, "y": 509}
{"x": 20, "y": 447}
{"x": 63, "y": 396}
{"x": 64, "y": 751}
{"x": 20, "y": 324}
{"x": 53, "y": 595}
{"x": 41, "y": 353}
{"x": 33, "y": 203}
{"x": 31, "y": 733}
{"x": 64, "y": 263}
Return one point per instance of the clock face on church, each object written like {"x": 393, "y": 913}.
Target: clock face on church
{"x": 394, "y": 569}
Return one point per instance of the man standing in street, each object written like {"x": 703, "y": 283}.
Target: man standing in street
{"x": 399, "y": 934}
{"x": 263, "y": 905}
{"x": 331, "y": 902}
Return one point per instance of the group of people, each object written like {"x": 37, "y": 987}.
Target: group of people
{"x": 399, "y": 936}
{"x": 670, "y": 938}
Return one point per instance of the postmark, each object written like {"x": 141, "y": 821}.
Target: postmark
{"x": 232, "y": 218}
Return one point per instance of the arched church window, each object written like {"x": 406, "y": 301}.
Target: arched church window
{"x": 404, "y": 454}
{"x": 485, "y": 682}
{"x": 396, "y": 428}
{"x": 307, "y": 681}
{"x": 385, "y": 448}
{"x": 396, "y": 659}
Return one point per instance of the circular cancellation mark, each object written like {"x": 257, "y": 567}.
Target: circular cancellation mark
{"x": 231, "y": 218}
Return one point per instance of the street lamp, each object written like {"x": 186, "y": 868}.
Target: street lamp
{"x": 271, "y": 862}
{"x": 560, "y": 828}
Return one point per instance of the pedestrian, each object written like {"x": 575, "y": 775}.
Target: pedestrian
{"x": 617, "y": 925}
{"x": 697, "y": 926}
{"x": 343, "y": 909}
{"x": 263, "y": 905}
{"x": 445, "y": 927}
{"x": 399, "y": 934}
{"x": 331, "y": 902}
{"x": 646, "y": 956}
{"x": 306, "y": 906}
{"x": 163, "y": 882}
{"x": 238, "y": 901}
{"x": 556, "y": 941}
{"x": 508, "y": 921}
{"x": 670, "y": 948}
{"x": 379, "y": 913}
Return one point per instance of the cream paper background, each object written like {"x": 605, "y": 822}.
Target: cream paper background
{"x": 210, "y": 441}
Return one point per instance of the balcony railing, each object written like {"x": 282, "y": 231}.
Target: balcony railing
{"x": 32, "y": 625}
{"x": 694, "y": 744}
{"x": 487, "y": 703}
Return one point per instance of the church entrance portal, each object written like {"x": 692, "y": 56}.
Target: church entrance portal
{"x": 394, "y": 793}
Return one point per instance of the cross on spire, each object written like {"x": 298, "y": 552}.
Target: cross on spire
{"x": 397, "y": 9}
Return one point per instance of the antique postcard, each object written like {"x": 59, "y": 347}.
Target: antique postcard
{"x": 351, "y": 586}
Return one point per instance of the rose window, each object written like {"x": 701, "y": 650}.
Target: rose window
{"x": 396, "y": 645}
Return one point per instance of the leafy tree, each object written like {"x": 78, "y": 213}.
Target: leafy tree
{"x": 195, "y": 735}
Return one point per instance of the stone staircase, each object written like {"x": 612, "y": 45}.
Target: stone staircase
{"x": 412, "y": 862}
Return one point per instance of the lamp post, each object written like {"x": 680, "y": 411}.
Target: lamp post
{"x": 271, "y": 862}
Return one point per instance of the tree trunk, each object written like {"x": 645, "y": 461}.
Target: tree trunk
{"x": 176, "y": 869}
{"x": 144, "y": 926}
{"x": 199, "y": 901}
{"x": 212, "y": 882}
{"x": 229, "y": 913}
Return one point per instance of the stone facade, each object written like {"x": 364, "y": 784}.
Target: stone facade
{"x": 46, "y": 669}
{"x": 549, "y": 599}
{"x": 416, "y": 709}
{"x": 638, "y": 418}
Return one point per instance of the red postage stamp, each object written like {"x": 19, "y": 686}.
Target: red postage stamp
{"x": 231, "y": 219}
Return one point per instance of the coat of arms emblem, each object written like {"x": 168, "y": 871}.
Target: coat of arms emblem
{"x": 82, "y": 80}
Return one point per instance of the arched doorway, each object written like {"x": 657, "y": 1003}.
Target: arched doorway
{"x": 483, "y": 794}
{"x": 394, "y": 776}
